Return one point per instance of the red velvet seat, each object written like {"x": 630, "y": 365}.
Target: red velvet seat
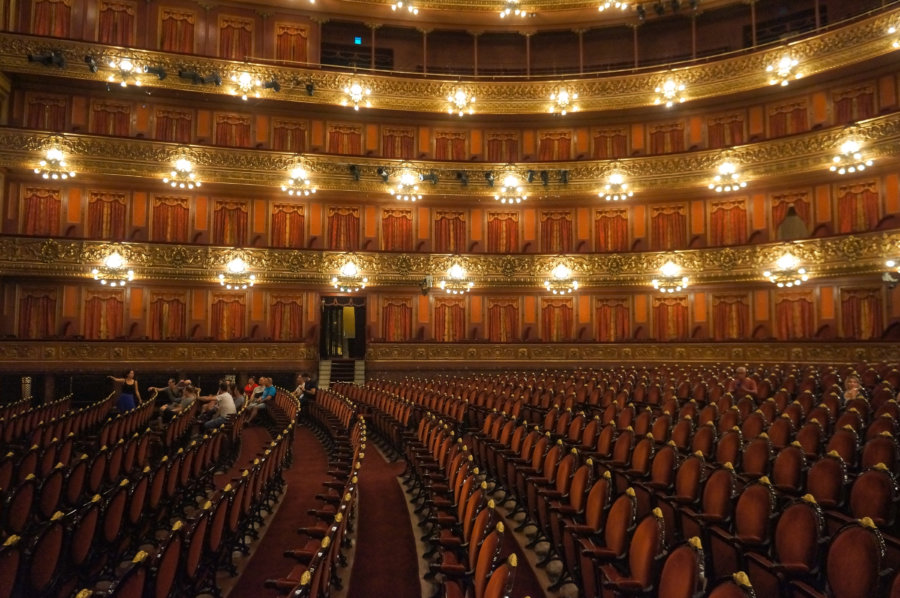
{"x": 754, "y": 516}
{"x": 577, "y": 525}
{"x": 683, "y": 572}
{"x": 617, "y": 531}
{"x": 640, "y": 573}
{"x": 826, "y": 481}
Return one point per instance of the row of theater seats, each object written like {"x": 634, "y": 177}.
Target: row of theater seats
{"x": 538, "y": 461}
{"x": 123, "y": 502}
{"x": 336, "y": 423}
{"x": 18, "y": 420}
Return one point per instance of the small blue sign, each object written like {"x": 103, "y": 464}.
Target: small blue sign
{"x": 357, "y": 41}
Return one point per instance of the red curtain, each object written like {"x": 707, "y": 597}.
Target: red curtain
{"x": 47, "y": 112}
{"x": 503, "y": 320}
{"x": 725, "y": 131}
{"x": 788, "y": 119}
{"x": 862, "y": 315}
{"x": 108, "y": 118}
{"x": 398, "y": 143}
{"x": 613, "y": 320}
{"x": 670, "y": 318}
{"x": 667, "y": 139}
{"x": 115, "y": 23}
{"x": 174, "y": 125}
{"x": 854, "y": 104}
{"x": 449, "y": 320}
{"x": 728, "y": 222}
{"x": 502, "y": 147}
{"x": 556, "y": 231}
{"x": 794, "y": 316}
{"x": 503, "y": 232}
{"x": 781, "y": 203}
{"x": 287, "y": 226}
{"x": 345, "y": 139}
{"x": 167, "y": 316}
{"x": 171, "y": 218}
{"x": 106, "y": 216}
{"x": 104, "y": 315}
{"x": 396, "y": 229}
{"x": 449, "y": 232}
{"x": 41, "y": 207}
{"x": 230, "y": 223}
{"x": 450, "y": 145}
{"x": 610, "y": 144}
{"x": 228, "y": 315}
{"x": 176, "y": 30}
{"x": 235, "y": 38}
{"x": 668, "y": 227}
{"x": 343, "y": 229}
{"x": 37, "y": 313}
{"x": 857, "y": 207}
{"x": 286, "y": 318}
{"x": 556, "y": 145}
{"x": 51, "y": 17}
{"x": 289, "y": 135}
{"x": 290, "y": 42}
{"x": 557, "y": 319}
{"x": 396, "y": 319}
{"x": 731, "y": 317}
{"x": 611, "y": 229}
{"x": 233, "y": 130}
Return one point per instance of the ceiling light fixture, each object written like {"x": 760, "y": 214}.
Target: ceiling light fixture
{"x": 349, "y": 279}
{"x": 237, "y": 275}
{"x": 298, "y": 182}
{"x": 671, "y": 280}
{"x": 563, "y": 102}
{"x": 409, "y": 7}
{"x": 457, "y": 282}
{"x": 849, "y": 158}
{"x": 406, "y": 187}
{"x": 609, "y": 4}
{"x": 783, "y": 70}
{"x": 357, "y": 94}
{"x": 728, "y": 178}
{"x": 560, "y": 281}
{"x": 113, "y": 271}
{"x": 53, "y": 166}
{"x": 124, "y": 70}
{"x": 511, "y": 190}
{"x": 182, "y": 175}
{"x": 512, "y": 8}
{"x": 461, "y": 102}
{"x": 616, "y": 188}
{"x": 787, "y": 272}
{"x": 671, "y": 92}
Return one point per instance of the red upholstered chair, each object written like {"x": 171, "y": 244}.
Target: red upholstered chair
{"x": 686, "y": 493}
{"x": 789, "y": 470}
{"x": 881, "y": 449}
{"x": 729, "y": 418}
{"x": 704, "y": 440}
{"x": 683, "y": 572}
{"x": 51, "y": 492}
{"x": 502, "y": 579}
{"x": 133, "y": 582}
{"x": 754, "y": 424}
{"x": 44, "y": 556}
{"x": 716, "y": 507}
{"x": 639, "y": 467}
{"x": 811, "y": 437}
{"x": 682, "y": 433}
{"x": 645, "y": 554}
{"x": 660, "y": 479}
{"x": 616, "y": 534}
{"x": 582, "y": 525}
{"x": 781, "y": 431}
{"x": 754, "y": 516}
{"x": 164, "y": 567}
{"x": 736, "y": 587}
{"x": 845, "y": 441}
{"x": 730, "y": 447}
{"x": 485, "y": 562}
{"x": 882, "y": 423}
{"x": 826, "y": 480}
{"x": 874, "y": 494}
{"x": 756, "y": 459}
{"x": 195, "y": 541}
{"x": 662, "y": 428}
{"x": 642, "y": 422}
{"x": 17, "y": 510}
{"x": 10, "y": 560}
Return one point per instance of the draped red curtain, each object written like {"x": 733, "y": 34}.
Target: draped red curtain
{"x": 611, "y": 229}
{"x": 106, "y": 215}
{"x": 289, "y": 135}
{"x": 667, "y": 139}
{"x": 503, "y": 232}
{"x": 670, "y": 318}
{"x": 345, "y": 139}
{"x": 862, "y": 314}
{"x": 781, "y": 204}
{"x": 449, "y": 232}
{"x": 42, "y": 209}
{"x": 170, "y": 219}
{"x": 557, "y": 231}
{"x": 343, "y": 229}
{"x": 502, "y": 147}
{"x": 556, "y": 145}
{"x": 398, "y": 143}
{"x": 290, "y": 42}
{"x": 115, "y": 23}
{"x": 233, "y": 130}
{"x": 37, "y": 313}
{"x": 449, "y": 320}
{"x": 728, "y": 222}
{"x": 857, "y": 207}
{"x": 167, "y": 316}
{"x": 104, "y": 315}
{"x": 176, "y": 30}
{"x": 794, "y": 315}
{"x": 788, "y": 119}
{"x": 287, "y": 226}
{"x": 668, "y": 227}
{"x": 51, "y": 17}
{"x": 725, "y": 131}
{"x": 47, "y": 112}
{"x": 613, "y": 320}
{"x": 235, "y": 38}
{"x": 731, "y": 317}
{"x": 855, "y": 104}
{"x": 450, "y": 145}
{"x": 397, "y": 229}
{"x": 557, "y": 319}
{"x": 108, "y": 118}
{"x": 610, "y": 144}
{"x": 286, "y": 318}
{"x": 227, "y": 317}
{"x": 396, "y": 319}
{"x": 503, "y": 320}
{"x": 174, "y": 125}
{"x": 230, "y": 223}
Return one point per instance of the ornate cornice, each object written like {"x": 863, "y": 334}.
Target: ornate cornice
{"x": 825, "y": 258}
{"x": 850, "y": 45}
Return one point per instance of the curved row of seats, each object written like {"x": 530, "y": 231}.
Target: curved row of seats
{"x": 17, "y": 421}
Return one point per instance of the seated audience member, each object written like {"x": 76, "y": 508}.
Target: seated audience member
{"x": 188, "y": 396}
{"x": 239, "y": 398}
{"x": 250, "y": 387}
{"x": 258, "y": 390}
{"x": 309, "y": 389}
{"x": 129, "y": 393}
{"x": 168, "y": 395}
{"x": 221, "y": 406}
{"x": 853, "y": 388}
{"x": 268, "y": 394}
{"x": 301, "y": 383}
{"x": 742, "y": 386}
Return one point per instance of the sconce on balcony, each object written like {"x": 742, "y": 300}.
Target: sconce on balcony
{"x": 406, "y": 187}
{"x": 113, "y": 271}
{"x": 237, "y": 275}
{"x": 783, "y": 70}
{"x": 560, "y": 281}
{"x": 511, "y": 190}
{"x": 182, "y": 175}
{"x": 563, "y": 101}
{"x": 349, "y": 279}
{"x": 728, "y": 178}
{"x": 616, "y": 188}
{"x": 461, "y": 102}
{"x": 357, "y": 94}
{"x": 671, "y": 92}
{"x": 53, "y": 166}
{"x": 788, "y": 272}
{"x": 298, "y": 182}
{"x": 457, "y": 281}
{"x": 849, "y": 158}
{"x": 671, "y": 279}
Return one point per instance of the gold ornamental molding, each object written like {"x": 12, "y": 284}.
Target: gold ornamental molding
{"x": 472, "y": 356}
{"x": 83, "y": 355}
{"x": 838, "y": 256}
{"x": 846, "y": 46}
{"x": 105, "y": 156}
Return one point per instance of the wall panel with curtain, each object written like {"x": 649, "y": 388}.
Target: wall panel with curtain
{"x": 288, "y": 226}
{"x": 286, "y": 317}
{"x": 230, "y": 223}
{"x": 503, "y": 319}
{"x": 449, "y": 319}
{"x": 289, "y": 135}
{"x": 557, "y": 319}
{"x": 291, "y": 42}
{"x": 397, "y": 229}
{"x": 795, "y": 315}
{"x": 176, "y": 29}
{"x": 670, "y": 318}
{"x": 728, "y": 222}
{"x": 174, "y": 124}
{"x": 609, "y": 144}
{"x": 667, "y": 138}
{"x": 503, "y": 232}
{"x": 396, "y": 319}
{"x": 857, "y": 206}
{"x": 235, "y": 37}
{"x": 731, "y": 316}
{"x": 46, "y": 111}
{"x": 117, "y": 22}
{"x": 449, "y": 231}
{"x": 170, "y": 218}
{"x": 41, "y": 211}
{"x": 788, "y": 117}
{"x": 107, "y": 215}
{"x": 451, "y": 144}
{"x": 398, "y": 142}
{"x": 37, "y": 315}
{"x": 557, "y": 231}
{"x": 104, "y": 314}
{"x": 854, "y": 103}
{"x": 167, "y": 317}
{"x": 228, "y": 316}
{"x": 233, "y": 130}
{"x": 343, "y": 228}
{"x": 862, "y": 313}
{"x": 782, "y": 201}
{"x": 345, "y": 139}
{"x": 554, "y": 145}
{"x": 611, "y": 229}
{"x": 725, "y": 130}
{"x": 502, "y": 146}
{"x": 668, "y": 227}
{"x": 613, "y": 319}
{"x": 110, "y": 118}
{"x": 51, "y": 18}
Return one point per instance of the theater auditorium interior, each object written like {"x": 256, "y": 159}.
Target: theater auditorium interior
{"x": 596, "y": 298}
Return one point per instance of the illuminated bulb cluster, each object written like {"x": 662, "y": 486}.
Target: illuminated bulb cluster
{"x": 893, "y": 264}
{"x": 356, "y": 94}
{"x": 782, "y": 71}
{"x": 671, "y": 280}
{"x": 235, "y": 277}
{"x": 407, "y": 188}
{"x": 670, "y": 93}
{"x": 53, "y": 166}
{"x": 512, "y": 8}
{"x": 616, "y": 188}
{"x": 460, "y": 102}
{"x": 409, "y": 8}
{"x": 182, "y": 176}
{"x": 609, "y": 4}
{"x": 349, "y": 279}
{"x": 113, "y": 272}
{"x": 728, "y": 179}
{"x": 456, "y": 282}
{"x": 246, "y": 85}
{"x": 125, "y": 70}
{"x": 787, "y": 272}
{"x": 895, "y": 43}
{"x": 560, "y": 282}
{"x": 563, "y": 102}
{"x": 298, "y": 183}
{"x": 850, "y": 159}
{"x": 511, "y": 191}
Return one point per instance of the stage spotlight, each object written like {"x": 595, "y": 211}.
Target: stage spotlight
{"x": 564, "y": 177}
{"x": 159, "y": 71}
{"x": 489, "y": 177}
{"x": 51, "y": 58}
{"x": 432, "y": 177}
{"x": 354, "y": 171}
{"x": 463, "y": 177}
{"x": 92, "y": 64}
{"x": 273, "y": 85}
{"x": 383, "y": 173}
{"x": 545, "y": 178}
